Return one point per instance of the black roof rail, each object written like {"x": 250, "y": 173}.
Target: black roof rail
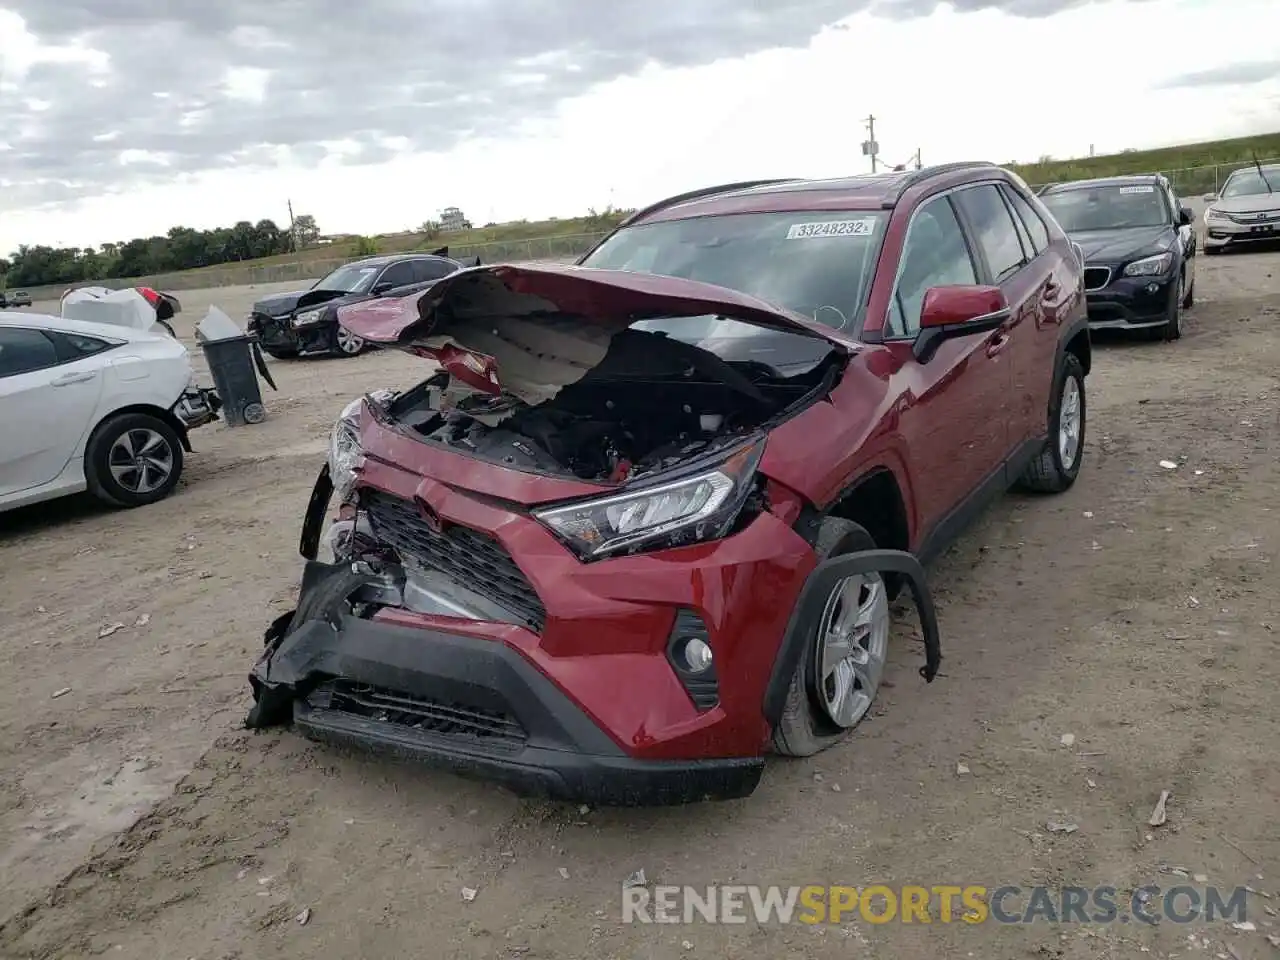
{"x": 915, "y": 176}
{"x": 701, "y": 193}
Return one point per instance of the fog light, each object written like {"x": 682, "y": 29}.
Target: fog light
{"x": 689, "y": 653}
{"x": 1153, "y": 288}
{"x": 696, "y": 654}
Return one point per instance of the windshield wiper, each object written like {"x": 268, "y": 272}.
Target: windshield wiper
{"x": 1261, "y": 174}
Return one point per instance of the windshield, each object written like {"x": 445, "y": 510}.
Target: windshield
{"x": 816, "y": 264}
{"x": 1114, "y": 207}
{"x": 1247, "y": 183}
{"x": 353, "y": 278}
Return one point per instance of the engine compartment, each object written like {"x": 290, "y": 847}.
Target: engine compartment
{"x": 652, "y": 402}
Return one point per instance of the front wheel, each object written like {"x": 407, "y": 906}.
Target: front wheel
{"x": 839, "y": 674}
{"x": 346, "y": 343}
{"x": 1058, "y": 465}
{"x": 133, "y": 459}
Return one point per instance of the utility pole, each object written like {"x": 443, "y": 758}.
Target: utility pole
{"x": 917, "y": 158}
{"x": 293, "y": 230}
{"x": 869, "y": 146}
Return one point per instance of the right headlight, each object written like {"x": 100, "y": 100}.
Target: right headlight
{"x": 307, "y": 317}
{"x": 345, "y": 453}
{"x": 693, "y": 509}
{"x": 1212, "y": 214}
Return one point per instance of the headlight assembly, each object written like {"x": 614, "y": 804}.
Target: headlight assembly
{"x": 345, "y": 454}
{"x": 307, "y": 317}
{"x": 703, "y": 506}
{"x": 1150, "y": 266}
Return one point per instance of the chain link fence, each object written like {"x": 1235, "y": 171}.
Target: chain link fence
{"x": 1187, "y": 182}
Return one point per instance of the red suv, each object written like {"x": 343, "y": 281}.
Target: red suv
{"x": 644, "y": 518}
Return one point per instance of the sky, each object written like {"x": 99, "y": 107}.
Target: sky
{"x": 123, "y": 118}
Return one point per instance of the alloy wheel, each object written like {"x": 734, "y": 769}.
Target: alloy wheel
{"x": 1069, "y": 423}
{"x": 853, "y": 644}
{"x": 140, "y": 460}
{"x": 349, "y": 343}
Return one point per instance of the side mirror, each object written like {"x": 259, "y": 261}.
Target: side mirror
{"x": 957, "y": 311}
{"x": 1186, "y": 217}
{"x": 1210, "y": 197}
{"x": 379, "y": 289}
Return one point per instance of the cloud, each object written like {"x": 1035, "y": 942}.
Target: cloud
{"x": 1235, "y": 74}
{"x": 192, "y": 86}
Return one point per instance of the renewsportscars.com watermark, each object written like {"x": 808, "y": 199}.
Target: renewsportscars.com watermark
{"x": 971, "y": 904}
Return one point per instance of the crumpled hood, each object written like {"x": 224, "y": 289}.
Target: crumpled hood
{"x": 546, "y": 326}
{"x": 117, "y": 308}
{"x": 1111, "y": 246}
{"x": 286, "y": 303}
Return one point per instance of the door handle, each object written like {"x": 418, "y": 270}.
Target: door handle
{"x": 69, "y": 378}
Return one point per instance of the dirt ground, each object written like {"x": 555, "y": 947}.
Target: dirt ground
{"x": 1137, "y": 613}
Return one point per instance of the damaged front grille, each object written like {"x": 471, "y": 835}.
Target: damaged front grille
{"x": 474, "y": 559}
{"x": 479, "y": 727}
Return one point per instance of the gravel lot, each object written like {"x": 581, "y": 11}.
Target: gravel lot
{"x": 138, "y": 820}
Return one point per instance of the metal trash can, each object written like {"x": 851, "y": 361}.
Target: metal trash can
{"x": 231, "y": 364}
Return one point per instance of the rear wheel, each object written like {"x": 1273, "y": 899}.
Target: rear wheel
{"x": 133, "y": 459}
{"x": 843, "y": 663}
{"x": 1058, "y": 465}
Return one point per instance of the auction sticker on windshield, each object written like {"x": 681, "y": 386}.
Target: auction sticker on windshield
{"x": 832, "y": 228}
{"x": 1139, "y": 188}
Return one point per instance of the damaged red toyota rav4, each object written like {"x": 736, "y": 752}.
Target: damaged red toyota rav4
{"x": 643, "y": 520}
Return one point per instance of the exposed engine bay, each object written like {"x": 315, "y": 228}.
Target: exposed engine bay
{"x": 650, "y": 403}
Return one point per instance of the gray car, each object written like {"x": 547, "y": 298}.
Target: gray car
{"x": 1247, "y": 210}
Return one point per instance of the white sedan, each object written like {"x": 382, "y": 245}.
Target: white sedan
{"x": 93, "y": 406}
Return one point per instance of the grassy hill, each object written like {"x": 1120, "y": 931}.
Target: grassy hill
{"x": 1194, "y": 168}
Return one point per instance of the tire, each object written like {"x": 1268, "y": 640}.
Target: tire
{"x": 346, "y": 344}
{"x": 1189, "y": 300}
{"x": 1049, "y": 473}
{"x": 280, "y": 353}
{"x": 807, "y": 725}
{"x": 1213, "y": 251}
{"x": 327, "y": 600}
{"x": 115, "y": 473}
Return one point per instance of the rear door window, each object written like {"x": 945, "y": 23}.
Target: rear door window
{"x": 435, "y": 268}
{"x": 994, "y": 229}
{"x": 1035, "y": 227}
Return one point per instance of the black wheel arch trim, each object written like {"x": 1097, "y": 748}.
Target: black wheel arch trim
{"x": 812, "y": 600}
{"x": 1070, "y": 333}
{"x": 313, "y": 519}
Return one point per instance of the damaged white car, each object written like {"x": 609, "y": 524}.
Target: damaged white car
{"x": 98, "y": 406}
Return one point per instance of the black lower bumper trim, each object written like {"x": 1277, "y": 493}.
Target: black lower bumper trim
{"x": 543, "y": 773}
{"x": 562, "y": 753}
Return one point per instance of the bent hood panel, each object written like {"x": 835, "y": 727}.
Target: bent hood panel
{"x": 530, "y": 331}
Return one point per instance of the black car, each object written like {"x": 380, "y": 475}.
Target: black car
{"x": 1139, "y": 249}
{"x": 306, "y": 322}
